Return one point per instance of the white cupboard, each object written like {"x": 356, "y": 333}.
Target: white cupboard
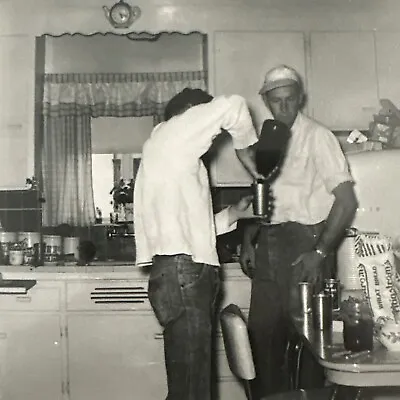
{"x": 96, "y": 338}
{"x": 343, "y": 86}
{"x": 241, "y": 60}
{"x": 388, "y": 65}
{"x": 17, "y": 83}
{"x": 115, "y": 356}
{"x": 31, "y": 344}
{"x": 31, "y": 356}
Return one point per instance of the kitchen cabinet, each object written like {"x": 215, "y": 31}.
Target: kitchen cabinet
{"x": 31, "y": 363}
{"x": 388, "y": 65}
{"x": 17, "y": 82}
{"x": 115, "y": 356}
{"x": 241, "y": 60}
{"x": 77, "y": 336}
{"x": 115, "y": 344}
{"x": 30, "y": 354}
{"x": 343, "y": 79}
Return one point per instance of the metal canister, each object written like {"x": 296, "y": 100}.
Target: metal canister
{"x": 322, "y": 311}
{"x": 332, "y": 288}
{"x": 305, "y": 291}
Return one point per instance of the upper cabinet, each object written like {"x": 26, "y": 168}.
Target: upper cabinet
{"x": 343, "y": 87}
{"x": 241, "y": 60}
{"x": 17, "y": 82}
{"x": 388, "y": 65}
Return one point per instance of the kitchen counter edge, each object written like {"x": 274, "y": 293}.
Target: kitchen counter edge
{"x": 228, "y": 270}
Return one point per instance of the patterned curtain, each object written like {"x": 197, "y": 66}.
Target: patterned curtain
{"x": 115, "y": 95}
{"x": 69, "y": 102}
{"x": 67, "y": 171}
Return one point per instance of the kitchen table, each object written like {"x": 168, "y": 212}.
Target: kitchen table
{"x": 378, "y": 368}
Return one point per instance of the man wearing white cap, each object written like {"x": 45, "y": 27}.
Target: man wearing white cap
{"x": 314, "y": 204}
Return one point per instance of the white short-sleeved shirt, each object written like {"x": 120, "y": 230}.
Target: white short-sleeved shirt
{"x": 172, "y": 200}
{"x": 314, "y": 166}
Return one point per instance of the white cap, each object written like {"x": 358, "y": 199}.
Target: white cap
{"x": 279, "y": 76}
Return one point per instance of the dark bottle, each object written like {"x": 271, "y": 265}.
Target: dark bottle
{"x": 358, "y": 324}
{"x": 270, "y": 150}
{"x": 358, "y": 334}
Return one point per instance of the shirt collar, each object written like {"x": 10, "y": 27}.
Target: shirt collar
{"x": 298, "y": 122}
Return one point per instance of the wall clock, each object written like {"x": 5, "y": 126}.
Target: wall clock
{"x": 122, "y": 14}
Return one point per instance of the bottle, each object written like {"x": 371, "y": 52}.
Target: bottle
{"x": 358, "y": 324}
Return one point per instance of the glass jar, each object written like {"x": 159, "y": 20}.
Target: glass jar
{"x": 358, "y": 324}
{"x": 16, "y": 253}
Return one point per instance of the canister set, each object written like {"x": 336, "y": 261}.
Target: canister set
{"x": 34, "y": 249}
{"x": 321, "y": 305}
{"x": 358, "y": 325}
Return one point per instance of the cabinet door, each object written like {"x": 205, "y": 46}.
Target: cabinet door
{"x": 343, "y": 90}
{"x": 17, "y": 82}
{"x": 241, "y": 60}
{"x": 388, "y": 65}
{"x": 30, "y": 356}
{"x": 115, "y": 356}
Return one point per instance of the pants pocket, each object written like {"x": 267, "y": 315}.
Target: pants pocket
{"x": 190, "y": 273}
{"x": 165, "y": 296}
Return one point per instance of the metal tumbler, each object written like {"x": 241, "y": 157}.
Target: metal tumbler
{"x": 322, "y": 311}
{"x": 260, "y": 197}
{"x": 305, "y": 291}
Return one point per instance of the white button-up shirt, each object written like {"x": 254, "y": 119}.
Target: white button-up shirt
{"x": 313, "y": 167}
{"x": 172, "y": 200}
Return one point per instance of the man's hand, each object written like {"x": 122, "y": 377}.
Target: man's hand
{"x": 242, "y": 208}
{"x": 247, "y": 158}
{"x": 308, "y": 269}
{"x": 247, "y": 259}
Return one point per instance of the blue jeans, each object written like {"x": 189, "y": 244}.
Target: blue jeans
{"x": 274, "y": 282}
{"x": 182, "y": 294}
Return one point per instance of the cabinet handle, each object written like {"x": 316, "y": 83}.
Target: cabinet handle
{"x": 24, "y": 299}
{"x": 3, "y": 335}
{"x": 158, "y": 336}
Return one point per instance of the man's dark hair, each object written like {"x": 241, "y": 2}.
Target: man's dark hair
{"x": 185, "y": 99}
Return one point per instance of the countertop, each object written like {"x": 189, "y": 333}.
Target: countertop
{"x": 97, "y": 270}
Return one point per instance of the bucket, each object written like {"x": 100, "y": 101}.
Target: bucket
{"x": 28, "y": 239}
{"x": 71, "y": 249}
{"x": 52, "y": 249}
{"x": 6, "y": 238}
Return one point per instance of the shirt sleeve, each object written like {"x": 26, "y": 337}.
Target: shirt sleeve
{"x": 222, "y": 222}
{"x": 195, "y": 129}
{"x": 238, "y": 122}
{"x": 330, "y": 160}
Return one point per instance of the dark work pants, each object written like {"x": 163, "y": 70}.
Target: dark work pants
{"x": 274, "y": 280}
{"x": 183, "y": 294}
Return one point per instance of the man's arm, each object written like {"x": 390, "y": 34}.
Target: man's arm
{"x": 226, "y": 219}
{"x": 247, "y": 158}
{"x": 339, "y": 218}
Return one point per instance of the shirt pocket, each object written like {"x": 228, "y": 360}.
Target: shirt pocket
{"x": 297, "y": 170}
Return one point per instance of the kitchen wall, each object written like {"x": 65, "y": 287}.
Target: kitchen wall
{"x": 114, "y": 53}
{"x": 208, "y": 16}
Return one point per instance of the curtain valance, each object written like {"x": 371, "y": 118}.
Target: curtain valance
{"x": 115, "y": 94}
